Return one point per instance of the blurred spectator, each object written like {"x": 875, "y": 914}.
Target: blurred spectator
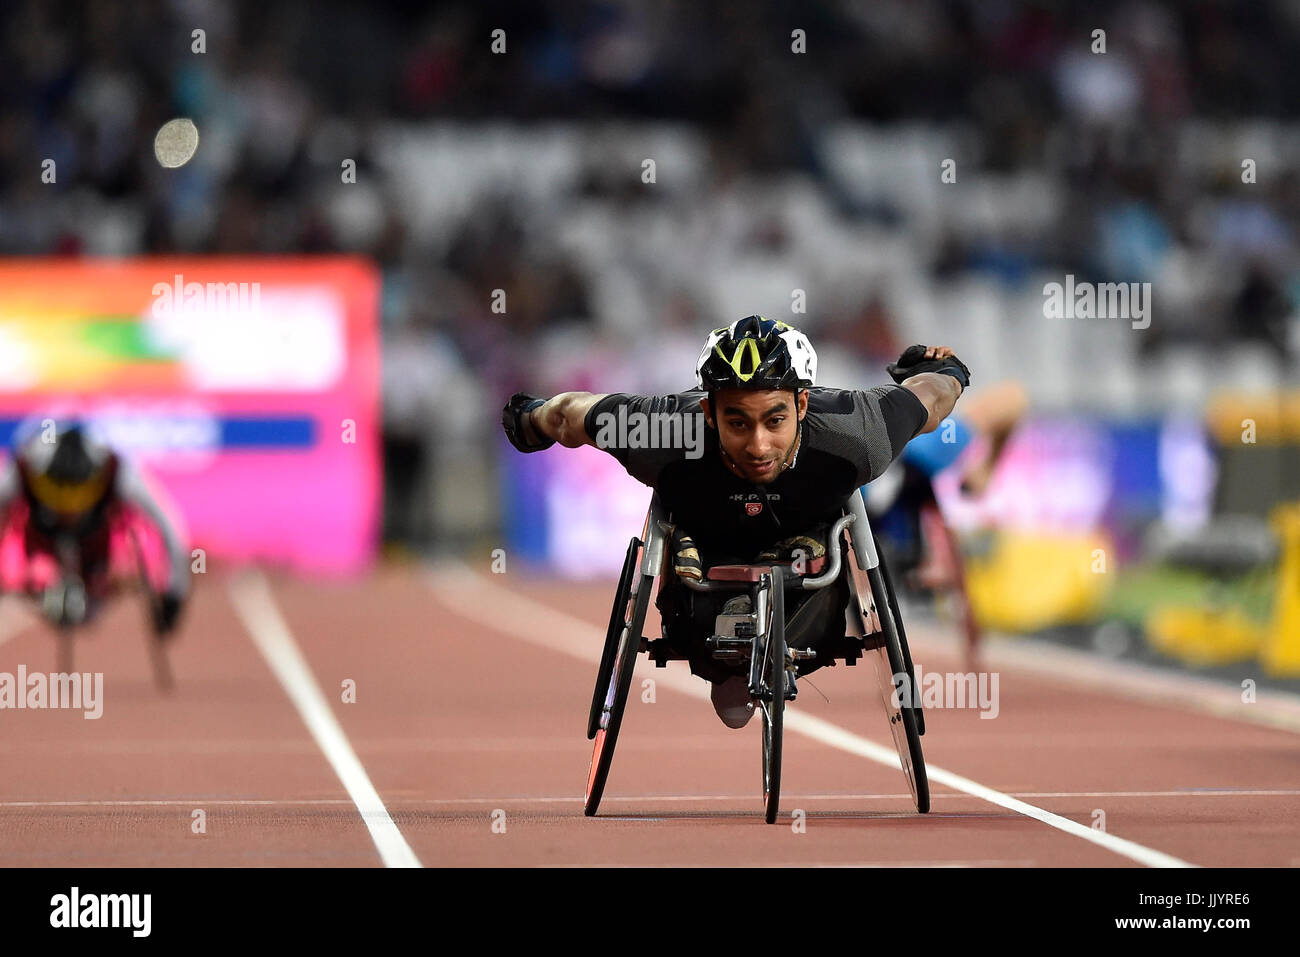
{"x": 775, "y": 172}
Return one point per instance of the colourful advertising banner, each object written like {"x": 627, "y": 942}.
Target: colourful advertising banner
{"x": 248, "y": 388}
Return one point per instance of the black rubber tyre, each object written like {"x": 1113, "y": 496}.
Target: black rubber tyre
{"x": 617, "y": 618}
{"x": 902, "y": 717}
{"x": 615, "y": 700}
{"x": 902, "y": 634}
{"x": 772, "y": 699}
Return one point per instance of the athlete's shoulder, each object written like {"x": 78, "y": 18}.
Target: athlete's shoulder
{"x": 823, "y": 400}
{"x": 867, "y": 427}
{"x": 671, "y": 401}
{"x": 855, "y": 402}
{"x": 606, "y": 410}
{"x": 649, "y": 433}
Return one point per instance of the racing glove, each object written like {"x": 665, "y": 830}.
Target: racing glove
{"x": 513, "y": 424}
{"x": 913, "y": 362}
{"x": 686, "y": 557}
{"x": 784, "y": 551}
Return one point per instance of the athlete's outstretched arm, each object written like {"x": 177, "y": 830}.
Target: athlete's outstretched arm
{"x": 563, "y": 418}
{"x": 937, "y": 391}
{"x": 533, "y": 424}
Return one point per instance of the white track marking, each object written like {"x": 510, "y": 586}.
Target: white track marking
{"x": 251, "y": 596}
{"x": 454, "y": 583}
{"x": 845, "y": 740}
{"x": 891, "y": 865}
{"x": 633, "y": 798}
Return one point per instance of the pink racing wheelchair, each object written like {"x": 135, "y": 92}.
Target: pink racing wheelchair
{"x": 71, "y": 578}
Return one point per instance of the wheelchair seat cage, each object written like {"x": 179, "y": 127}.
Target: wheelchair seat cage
{"x": 758, "y": 639}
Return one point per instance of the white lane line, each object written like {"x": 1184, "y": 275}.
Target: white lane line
{"x": 891, "y": 865}
{"x": 845, "y": 740}
{"x": 573, "y": 636}
{"x": 633, "y": 798}
{"x": 251, "y": 596}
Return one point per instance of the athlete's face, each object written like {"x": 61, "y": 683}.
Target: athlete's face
{"x": 757, "y": 430}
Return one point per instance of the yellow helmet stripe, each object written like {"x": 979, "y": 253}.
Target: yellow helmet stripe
{"x": 745, "y": 346}
{"x": 69, "y": 499}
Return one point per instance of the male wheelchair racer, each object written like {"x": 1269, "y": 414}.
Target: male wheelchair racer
{"x": 779, "y": 454}
{"x": 80, "y": 525}
{"x": 757, "y": 640}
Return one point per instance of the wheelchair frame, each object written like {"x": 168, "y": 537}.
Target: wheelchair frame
{"x": 874, "y": 626}
{"x": 73, "y": 606}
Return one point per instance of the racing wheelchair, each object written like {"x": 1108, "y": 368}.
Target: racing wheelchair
{"x": 757, "y": 640}
{"x": 69, "y": 589}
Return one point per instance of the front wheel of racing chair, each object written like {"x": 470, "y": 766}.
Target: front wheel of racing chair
{"x": 65, "y": 606}
{"x": 772, "y": 695}
{"x": 65, "y": 602}
{"x": 764, "y": 642}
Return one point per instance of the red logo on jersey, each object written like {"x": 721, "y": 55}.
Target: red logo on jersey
{"x": 753, "y": 508}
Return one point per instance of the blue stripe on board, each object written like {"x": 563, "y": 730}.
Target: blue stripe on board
{"x": 236, "y": 431}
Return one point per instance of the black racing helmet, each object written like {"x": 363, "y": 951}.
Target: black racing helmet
{"x": 756, "y": 353}
{"x": 69, "y": 475}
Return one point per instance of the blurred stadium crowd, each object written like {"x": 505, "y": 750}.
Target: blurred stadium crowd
{"x": 775, "y": 174}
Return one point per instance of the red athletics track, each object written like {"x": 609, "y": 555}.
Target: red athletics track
{"x": 471, "y": 698}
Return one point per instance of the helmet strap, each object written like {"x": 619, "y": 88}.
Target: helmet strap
{"x": 792, "y": 456}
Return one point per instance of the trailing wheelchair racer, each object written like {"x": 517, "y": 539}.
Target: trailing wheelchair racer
{"x": 79, "y": 526}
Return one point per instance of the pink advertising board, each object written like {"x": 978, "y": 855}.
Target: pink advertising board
{"x": 248, "y": 389}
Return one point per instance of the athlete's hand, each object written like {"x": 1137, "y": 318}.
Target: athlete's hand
{"x": 686, "y": 557}
{"x": 918, "y": 359}
{"x": 515, "y": 424}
